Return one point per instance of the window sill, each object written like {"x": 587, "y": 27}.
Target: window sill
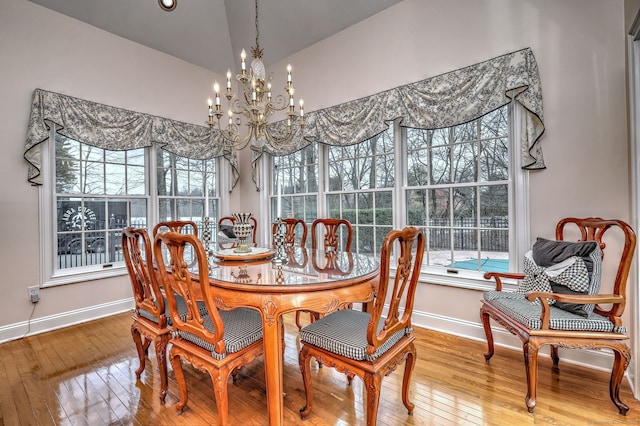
{"x": 62, "y": 278}
{"x": 471, "y": 280}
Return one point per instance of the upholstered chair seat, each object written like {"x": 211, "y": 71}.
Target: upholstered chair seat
{"x": 242, "y": 327}
{"x": 345, "y": 333}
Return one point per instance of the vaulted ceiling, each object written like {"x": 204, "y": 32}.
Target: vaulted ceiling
{"x": 211, "y": 33}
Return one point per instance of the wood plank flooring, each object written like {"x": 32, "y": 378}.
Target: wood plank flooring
{"x": 84, "y": 375}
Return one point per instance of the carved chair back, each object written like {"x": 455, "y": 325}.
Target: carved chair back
{"x": 332, "y": 233}
{"x": 290, "y": 226}
{"x": 178, "y": 280}
{"x": 407, "y": 245}
{"x": 183, "y": 226}
{"x": 594, "y": 229}
{"x": 138, "y": 257}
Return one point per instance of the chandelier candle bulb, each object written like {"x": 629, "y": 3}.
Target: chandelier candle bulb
{"x": 243, "y": 65}
{"x": 216, "y": 89}
{"x": 228, "y": 80}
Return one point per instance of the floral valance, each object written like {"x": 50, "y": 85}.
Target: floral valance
{"x": 114, "y": 128}
{"x": 446, "y": 100}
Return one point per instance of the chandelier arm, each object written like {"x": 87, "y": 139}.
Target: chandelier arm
{"x": 279, "y": 103}
{"x": 233, "y": 138}
{"x": 236, "y": 108}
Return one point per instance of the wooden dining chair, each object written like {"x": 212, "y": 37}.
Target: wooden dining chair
{"x": 216, "y": 342}
{"x": 149, "y": 315}
{"x": 369, "y": 345}
{"x": 291, "y": 226}
{"x": 230, "y": 220}
{"x": 331, "y": 230}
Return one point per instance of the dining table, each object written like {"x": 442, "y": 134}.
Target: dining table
{"x": 299, "y": 279}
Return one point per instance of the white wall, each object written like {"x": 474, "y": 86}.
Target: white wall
{"x": 579, "y": 46}
{"x": 43, "y": 49}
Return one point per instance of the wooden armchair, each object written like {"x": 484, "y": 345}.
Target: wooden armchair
{"x": 553, "y": 313}
{"x": 216, "y": 342}
{"x": 369, "y": 345}
{"x": 149, "y": 318}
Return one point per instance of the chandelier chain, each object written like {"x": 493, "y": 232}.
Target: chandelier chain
{"x": 257, "y": 28}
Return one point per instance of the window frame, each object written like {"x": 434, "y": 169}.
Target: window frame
{"x": 49, "y": 275}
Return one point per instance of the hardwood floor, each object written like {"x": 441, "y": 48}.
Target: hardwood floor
{"x": 84, "y": 375}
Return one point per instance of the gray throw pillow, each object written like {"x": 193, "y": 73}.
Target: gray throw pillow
{"x": 550, "y": 252}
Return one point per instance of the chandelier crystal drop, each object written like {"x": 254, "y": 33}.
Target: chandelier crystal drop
{"x": 257, "y": 104}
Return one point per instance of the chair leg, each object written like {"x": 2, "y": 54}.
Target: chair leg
{"x": 298, "y": 316}
{"x": 373, "y": 383}
{"x": 620, "y": 364}
{"x": 409, "y": 364}
{"x": 484, "y": 316}
{"x": 137, "y": 339}
{"x": 161, "y": 357}
{"x": 219, "y": 378}
{"x": 182, "y": 384}
{"x": 530, "y": 352}
{"x": 555, "y": 357}
{"x": 304, "y": 359}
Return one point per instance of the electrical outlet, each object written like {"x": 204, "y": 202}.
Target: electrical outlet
{"x": 34, "y": 294}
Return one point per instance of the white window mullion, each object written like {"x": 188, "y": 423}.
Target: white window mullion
{"x": 152, "y": 185}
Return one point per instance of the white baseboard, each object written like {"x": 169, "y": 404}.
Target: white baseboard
{"x": 64, "y": 319}
{"x": 599, "y": 360}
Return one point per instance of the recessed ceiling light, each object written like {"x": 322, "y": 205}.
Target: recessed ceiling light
{"x": 168, "y": 5}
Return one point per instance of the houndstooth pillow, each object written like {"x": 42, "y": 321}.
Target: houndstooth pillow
{"x": 571, "y": 273}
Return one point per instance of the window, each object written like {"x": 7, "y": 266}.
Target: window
{"x": 95, "y": 193}
{"x": 360, "y": 189}
{"x": 182, "y": 183}
{"x": 297, "y": 174}
{"x": 463, "y": 185}
{"x": 458, "y": 190}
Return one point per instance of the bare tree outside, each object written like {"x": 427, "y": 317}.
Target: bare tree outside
{"x": 458, "y": 190}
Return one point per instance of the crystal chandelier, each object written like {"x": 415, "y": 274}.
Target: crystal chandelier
{"x": 256, "y": 103}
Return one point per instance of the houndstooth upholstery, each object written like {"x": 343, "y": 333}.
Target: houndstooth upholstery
{"x": 182, "y": 310}
{"x": 571, "y": 273}
{"x": 344, "y": 333}
{"x": 242, "y": 327}
{"x": 528, "y": 313}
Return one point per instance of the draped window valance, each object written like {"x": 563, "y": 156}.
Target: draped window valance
{"x": 114, "y": 128}
{"x": 445, "y": 100}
